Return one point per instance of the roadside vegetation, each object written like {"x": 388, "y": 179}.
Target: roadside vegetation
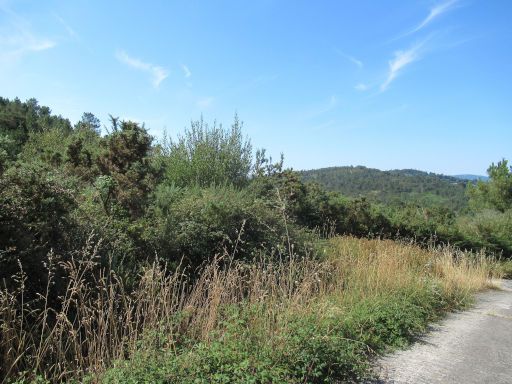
{"x": 289, "y": 321}
{"x": 125, "y": 259}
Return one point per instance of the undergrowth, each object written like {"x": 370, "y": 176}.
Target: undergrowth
{"x": 294, "y": 321}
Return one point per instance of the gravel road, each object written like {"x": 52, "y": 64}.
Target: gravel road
{"x": 474, "y": 346}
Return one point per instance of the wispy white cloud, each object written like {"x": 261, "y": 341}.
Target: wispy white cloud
{"x": 320, "y": 109}
{"x": 186, "y": 71}
{"x": 399, "y": 62}
{"x": 361, "y": 87}
{"x": 71, "y": 32}
{"x": 333, "y": 102}
{"x": 18, "y": 39}
{"x": 205, "y": 102}
{"x": 23, "y": 43}
{"x": 404, "y": 58}
{"x": 434, "y": 13}
{"x": 350, "y": 58}
{"x": 157, "y": 73}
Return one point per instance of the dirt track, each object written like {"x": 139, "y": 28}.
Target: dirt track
{"x": 474, "y": 346}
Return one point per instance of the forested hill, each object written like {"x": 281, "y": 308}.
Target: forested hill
{"x": 401, "y": 185}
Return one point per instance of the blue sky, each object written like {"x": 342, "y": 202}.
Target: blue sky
{"x": 385, "y": 84}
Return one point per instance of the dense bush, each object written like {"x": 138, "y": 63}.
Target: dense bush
{"x": 35, "y": 219}
{"x": 194, "y": 224}
{"x": 490, "y": 229}
{"x": 208, "y": 155}
{"x": 183, "y": 201}
{"x": 313, "y": 207}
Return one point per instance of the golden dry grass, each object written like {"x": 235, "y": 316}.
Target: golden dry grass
{"x": 383, "y": 265}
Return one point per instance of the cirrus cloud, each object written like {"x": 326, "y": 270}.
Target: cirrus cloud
{"x": 18, "y": 39}
{"x": 399, "y": 62}
{"x": 157, "y": 73}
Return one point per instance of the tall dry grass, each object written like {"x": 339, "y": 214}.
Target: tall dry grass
{"x": 375, "y": 266}
{"x": 97, "y": 321}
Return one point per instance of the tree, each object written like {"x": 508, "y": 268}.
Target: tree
{"x": 497, "y": 192}
{"x": 89, "y": 123}
{"x": 209, "y": 155}
{"x": 126, "y": 159}
{"x": 19, "y": 120}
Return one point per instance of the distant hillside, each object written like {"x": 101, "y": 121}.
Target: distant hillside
{"x": 405, "y": 185}
{"x": 472, "y": 177}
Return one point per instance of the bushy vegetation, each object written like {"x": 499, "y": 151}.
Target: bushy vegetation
{"x": 128, "y": 259}
{"x": 206, "y": 156}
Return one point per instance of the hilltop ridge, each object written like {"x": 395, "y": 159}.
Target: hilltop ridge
{"x": 393, "y": 186}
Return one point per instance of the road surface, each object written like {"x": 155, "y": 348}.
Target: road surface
{"x": 468, "y": 347}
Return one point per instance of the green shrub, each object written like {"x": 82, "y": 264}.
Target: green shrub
{"x": 311, "y": 206}
{"x": 316, "y": 350}
{"x": 209, "y": 155}
{"x": 196, "y": 224}
{"x": 488, "y": 229}
{"x": 35, "y": 220}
